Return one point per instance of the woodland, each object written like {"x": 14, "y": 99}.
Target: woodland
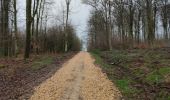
{"x": 129, "y": 40}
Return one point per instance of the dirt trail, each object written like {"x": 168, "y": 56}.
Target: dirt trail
{"x": 78, "y": 79}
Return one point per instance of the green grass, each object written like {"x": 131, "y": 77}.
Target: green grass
{"x": 98, "y": 59}
{"x": 42, "y": 63}
{"x": 150, "y": 71}
{"x": 157, "y": 76}
{"x": 124, "y": 86}
{"x": 164, "y": 71}
{"x": 154, "y": 78}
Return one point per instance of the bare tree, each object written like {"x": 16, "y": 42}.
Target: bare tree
{"x": 28, "y": 28}
{"x": 127, "y": 21}
{"x": 15, "y": 27}
{"x": 67, "y": 18}
{"x": 164, "y": 15}
{"x": 4, "y": 24}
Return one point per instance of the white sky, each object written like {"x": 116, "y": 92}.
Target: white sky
{"x": 79, "y": 14}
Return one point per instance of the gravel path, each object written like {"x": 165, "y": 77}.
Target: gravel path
{"x": 78, "y": 79}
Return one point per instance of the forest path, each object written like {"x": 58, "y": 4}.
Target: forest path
{"x": 78, "y": 79}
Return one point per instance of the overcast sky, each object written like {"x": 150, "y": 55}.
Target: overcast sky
{"x": 79, "y": 14}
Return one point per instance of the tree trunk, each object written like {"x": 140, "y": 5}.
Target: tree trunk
{"x": 28, "y": 28}
{"x": 16, "y": 28}
{"x": 150, "y": 22}
{"x": 66, "y": 34}
{"x": 6, "y": 28}
{"x": 110, "y": 28}
{"x": 131, "y": 19}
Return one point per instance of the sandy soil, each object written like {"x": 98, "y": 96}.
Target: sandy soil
{"x": 78, "y": 79}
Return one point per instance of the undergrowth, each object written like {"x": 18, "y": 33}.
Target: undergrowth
{"x": 42, "y": 62}
{"x": 149, "y": 66}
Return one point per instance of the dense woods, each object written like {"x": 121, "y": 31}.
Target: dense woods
{"x": 39, "y": 37}
{"x": 128, "y": 23}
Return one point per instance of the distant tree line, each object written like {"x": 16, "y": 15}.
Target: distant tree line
{"x": 126, "y": 23}
{"x": 55, "y": 41}
{"x": 38, "y": 37}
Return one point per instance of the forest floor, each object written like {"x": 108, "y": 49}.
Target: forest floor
{"x": 18, "y": 77}
{"x": 140, "y": 74}
{"x": 78, "y": 79}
